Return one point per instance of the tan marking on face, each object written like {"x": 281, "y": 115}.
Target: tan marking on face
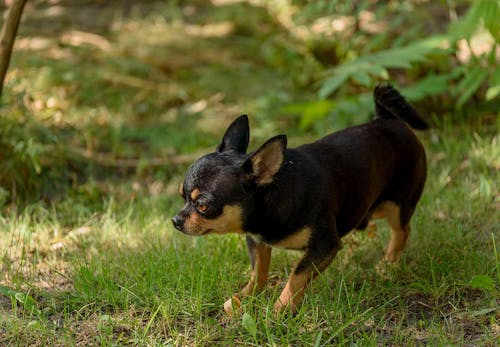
{"x": 297, "y": 240}
{"x": 195, "y": 194}
{"x": 228, "y": 221}
{"x": 181, "y": 189}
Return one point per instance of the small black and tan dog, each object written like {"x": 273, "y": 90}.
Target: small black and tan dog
{"x": 307, "y": 198}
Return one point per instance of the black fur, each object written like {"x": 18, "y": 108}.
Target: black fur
{"x": 390, "y": 104}
{"x": 330, "y": 186}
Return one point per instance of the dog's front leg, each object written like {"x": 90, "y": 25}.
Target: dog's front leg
{"x": 314, "y": 261}
{"x": 260, "y": 257}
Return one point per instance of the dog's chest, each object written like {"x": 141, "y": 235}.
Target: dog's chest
{"x": 297, "y": 240}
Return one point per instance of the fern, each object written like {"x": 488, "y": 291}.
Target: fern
{"x": 459, "y": 83}
{"x": 494, "y": 89}
{"x": 375, "y": 66}
{"x": 433, "y": 84}
{"x": 481, "y": 12}
{"x": 470, "y": 84}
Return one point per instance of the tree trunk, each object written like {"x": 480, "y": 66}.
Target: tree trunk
{"x": 7, "y": 36}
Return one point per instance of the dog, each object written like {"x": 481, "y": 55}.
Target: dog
{"x": 307, "y": 198}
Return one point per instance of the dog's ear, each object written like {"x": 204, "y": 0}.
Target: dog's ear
{"x": 236, "y": 136}
{"x": 266, "y": 161}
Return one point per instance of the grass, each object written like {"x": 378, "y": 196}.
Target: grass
{"x": 124, "y": 276}
{"x": 100, "y": 264}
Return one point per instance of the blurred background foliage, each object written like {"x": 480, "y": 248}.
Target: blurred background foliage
{"x": 112, "y": 99}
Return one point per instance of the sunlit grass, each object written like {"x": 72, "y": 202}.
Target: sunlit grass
{"x": 98, "y": 263}
{"x": 124, "y": 276}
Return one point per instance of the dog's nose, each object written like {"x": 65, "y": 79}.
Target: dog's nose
{"x": 177, "y": 222}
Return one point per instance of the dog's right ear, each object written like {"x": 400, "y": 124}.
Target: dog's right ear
{"x": 237, "y": 136}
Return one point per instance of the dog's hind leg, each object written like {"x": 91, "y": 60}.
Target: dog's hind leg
{"x": 400, "y": 230}
{"x": 399, "y": 236}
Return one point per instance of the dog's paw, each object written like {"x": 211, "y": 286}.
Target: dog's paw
{"x": 281, "y": 308}
{"x": 233, "y": 306}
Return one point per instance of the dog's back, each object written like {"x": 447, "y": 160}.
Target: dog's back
{"x": 373, "y": 163}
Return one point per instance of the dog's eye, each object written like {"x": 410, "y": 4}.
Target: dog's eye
{"x": 201, "y": 206}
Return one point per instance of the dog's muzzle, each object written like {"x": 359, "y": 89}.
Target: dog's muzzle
{"x": 178, "y": 223}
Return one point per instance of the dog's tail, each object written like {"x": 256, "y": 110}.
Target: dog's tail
{"x": 389, "y": 103}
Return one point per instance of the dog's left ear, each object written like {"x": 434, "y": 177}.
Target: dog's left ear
{"x": 236, "y": 136}
{"x": 266, "y": 161}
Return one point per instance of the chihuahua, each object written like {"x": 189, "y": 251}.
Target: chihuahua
{"x": 307, "y": 198}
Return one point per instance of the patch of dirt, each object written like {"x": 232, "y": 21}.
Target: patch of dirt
{"x": 457, "y": 318}
{"x": 5, "y": 303}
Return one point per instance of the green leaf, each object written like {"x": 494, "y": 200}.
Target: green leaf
{"x": 25, "y": 300}
{"x": 7, "y": 291}
{"x": 483, "y": 282}
{"x": 354, "y": 106}
{"x": 315, "y": 111}
{"x": 317, "y": 341}
{"x": 248, "y": 322}
{"x": 310, "y": 111}
{"x": 486, "y": 12}
{"x": 494, "y": 89}
{"x": 376, "y": 64}
{"x": 465, "y": 26}
{"x": 332, "y": 84}
{"x": 362, "y": 78}
{"x": 430, "y": 85}
{"x": 490, "y": 12}
{"x": 492, "y": 92}
{"x": 470, "y": 84}
{"x": 148, "y": 326}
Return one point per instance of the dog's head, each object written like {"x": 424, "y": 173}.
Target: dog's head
{"x": 218, "y": 188}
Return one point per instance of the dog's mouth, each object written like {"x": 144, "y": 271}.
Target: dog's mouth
{"x": 187, "y": 232}
{"x": 206, "y": 232}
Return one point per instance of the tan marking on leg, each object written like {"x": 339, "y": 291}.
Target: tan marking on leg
{"x": 260, "y": 273}
{"x": 399, "y": 236}
{"x": 194, "y": 194}
{"x": 372, "y": 229}
{"x": 384, "y": 209}
{"x": 292, "y": 294}
{"x": 260, "y": 270}
{"x": 294, "y": 291}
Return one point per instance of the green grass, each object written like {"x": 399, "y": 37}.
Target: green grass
{"x": 124, "y": 276}
{"x": 92, "y": 259}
